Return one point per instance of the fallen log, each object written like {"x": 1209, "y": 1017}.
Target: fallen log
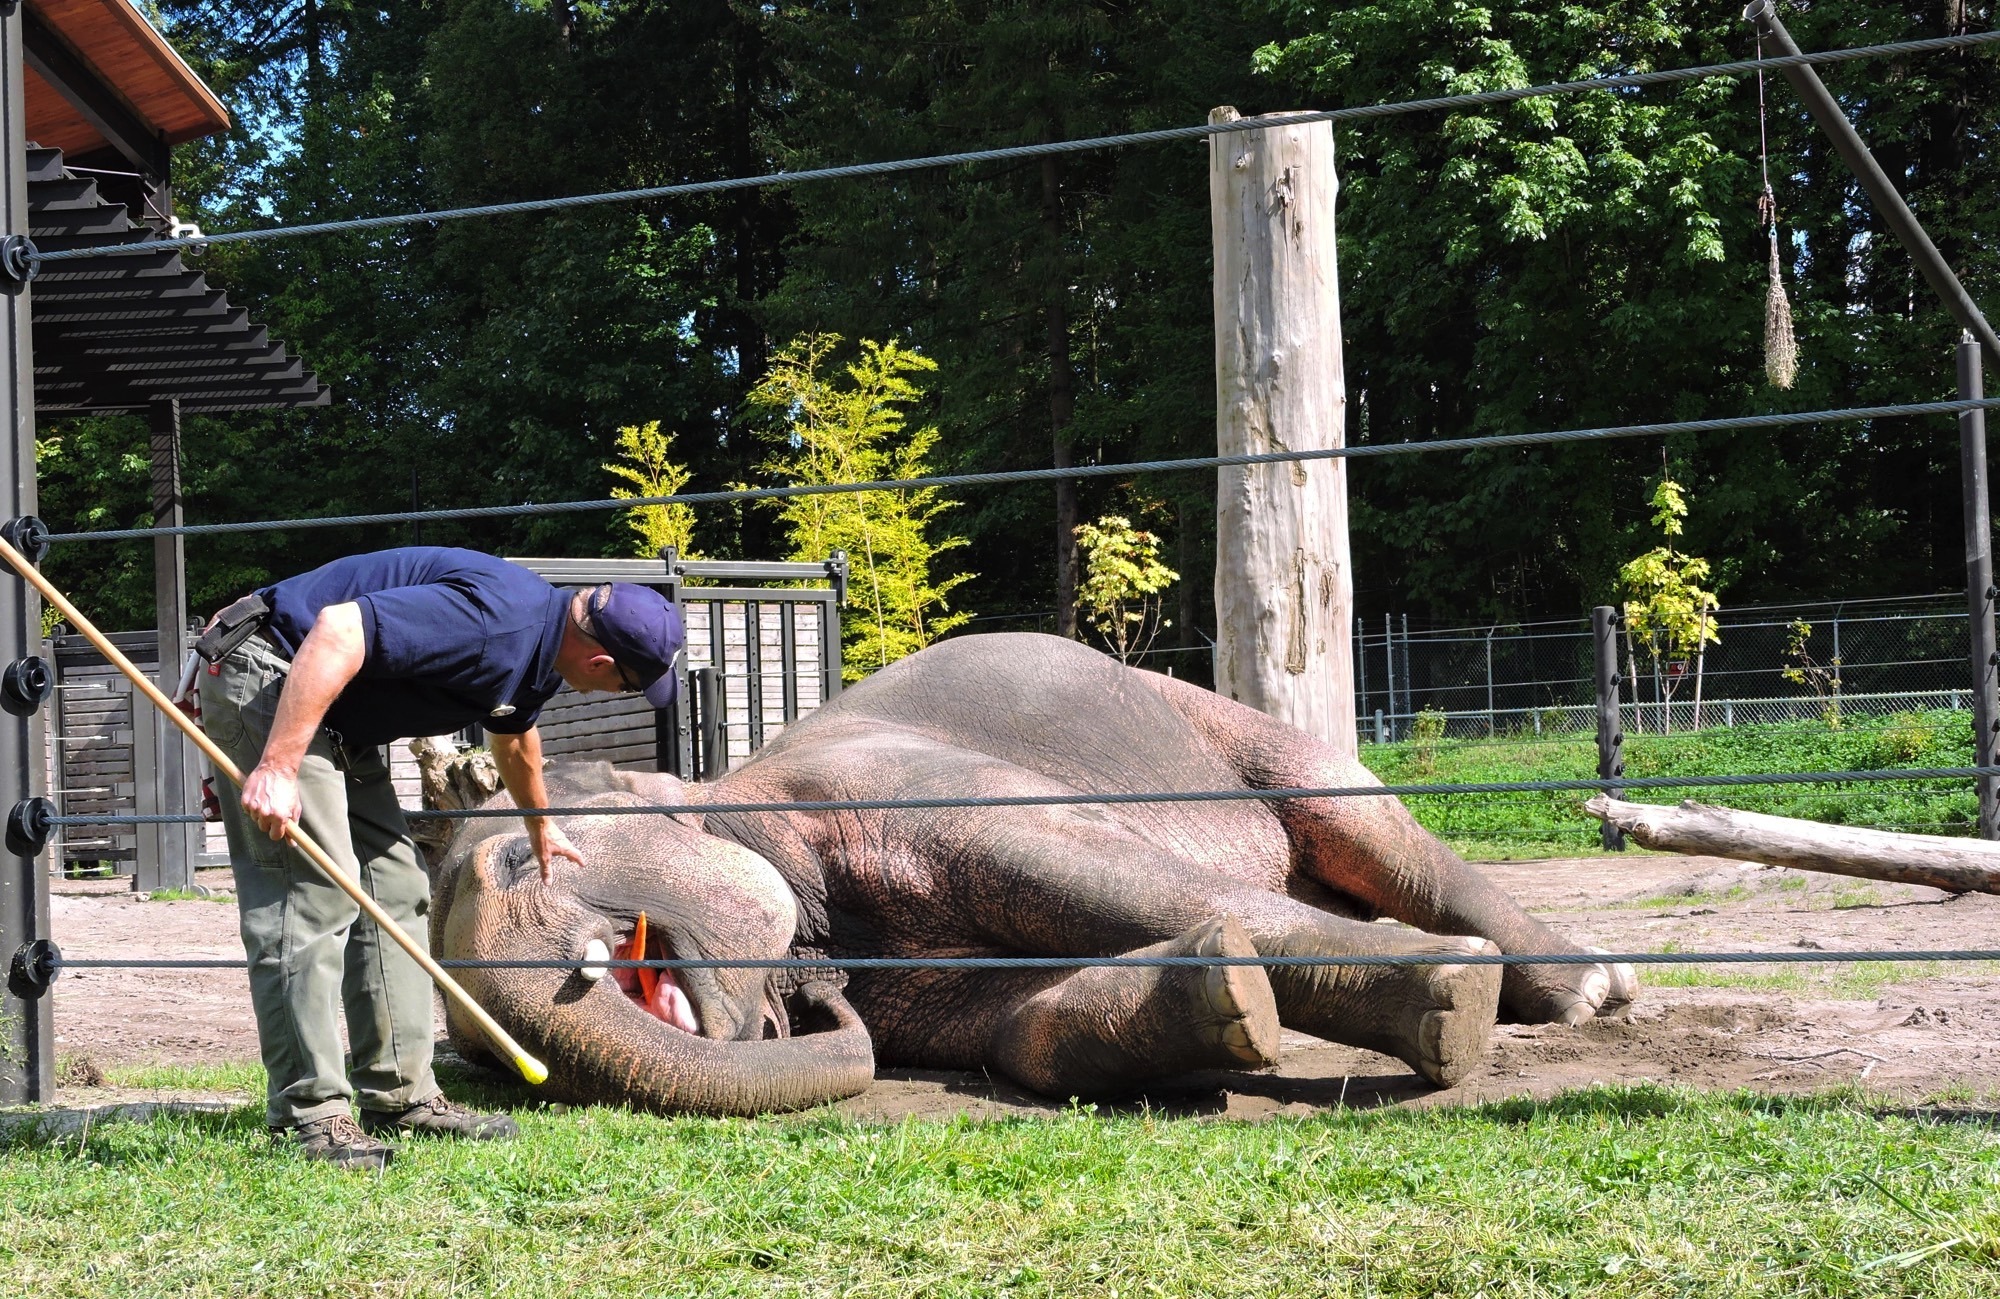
{"x": 1955, "y": 865}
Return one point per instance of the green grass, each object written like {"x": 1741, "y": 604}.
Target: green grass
{"x": 244, "y": 1077}
{"x": 1610, "y": 1192}
{"x": 189, "y": 895}
{"x": 1691, "y": 898}
{"x": 1501, "y": 826}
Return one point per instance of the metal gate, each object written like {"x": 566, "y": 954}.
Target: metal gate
{"x": 759, "y": 657}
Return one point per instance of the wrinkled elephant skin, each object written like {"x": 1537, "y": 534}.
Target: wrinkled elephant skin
{"x": 991, "y": 715}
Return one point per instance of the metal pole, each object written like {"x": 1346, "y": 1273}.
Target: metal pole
{"x": 1610, "y": 734}
{"x": 1490, "y": 725}
{"x": 1360, "y": 671}
{"x": 1889, "y": 204}
{"x": 176, "y": 853}
{"x": 27, "y": 1026}
{"x": 1979, "y": 589}
{"x": 1409, "y": 698}
{"x": 1389, "y": 662}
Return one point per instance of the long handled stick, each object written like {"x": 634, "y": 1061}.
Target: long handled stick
{"x": 531, "y": 1068}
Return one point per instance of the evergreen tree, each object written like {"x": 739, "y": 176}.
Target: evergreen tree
{"x": 1066, "y": 299}
{"x": 1597, "y": 259}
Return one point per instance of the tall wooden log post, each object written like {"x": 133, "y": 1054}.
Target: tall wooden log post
{"x": 1284, "y": 587}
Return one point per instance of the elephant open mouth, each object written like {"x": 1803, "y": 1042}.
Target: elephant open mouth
{"x": 728, "y": 1040}
{"x": 657, "y": 992}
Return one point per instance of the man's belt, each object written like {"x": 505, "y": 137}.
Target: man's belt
{"x": 234, "y": 625}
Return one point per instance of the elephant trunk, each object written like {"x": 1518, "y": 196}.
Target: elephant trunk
{"x": 598, "y": 1050}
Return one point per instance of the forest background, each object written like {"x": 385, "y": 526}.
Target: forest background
{"x": 1593, "y": 259}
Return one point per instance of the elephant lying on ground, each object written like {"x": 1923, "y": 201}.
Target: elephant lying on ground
{"x": 984, "y": 715}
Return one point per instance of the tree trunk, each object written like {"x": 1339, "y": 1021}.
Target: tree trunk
{"x": 1284, "y": 586}
{"x": 1955, "y": 865}
{"x": 1062, "y": 400}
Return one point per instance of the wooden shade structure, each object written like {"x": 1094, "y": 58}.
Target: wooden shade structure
{"x": 107, "y": 99}
{"x": 102, "y": 85}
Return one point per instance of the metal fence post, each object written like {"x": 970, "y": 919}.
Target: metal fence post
{"x": 1360, "y": 670}
{"x": 1389, "y": 661}
{"x": 1979, "y": 589}
{"x": 1409, "y": 698}
{"x": 1610, "y": 733}
{"x": 27, "y": 1025}
{"x": 1491, "y": 725}
{"x": 178, "y": 845}
{"x": 710, "y": 698}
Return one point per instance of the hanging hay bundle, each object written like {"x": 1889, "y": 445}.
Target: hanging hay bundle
{"x": 1781, "y": 348}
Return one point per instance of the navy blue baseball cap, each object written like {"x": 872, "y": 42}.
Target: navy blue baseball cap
{"x": 642, "y": 631}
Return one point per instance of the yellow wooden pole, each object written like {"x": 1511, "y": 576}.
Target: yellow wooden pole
{"x": 530, "y": 1068}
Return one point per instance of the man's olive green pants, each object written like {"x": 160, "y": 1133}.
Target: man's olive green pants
{"x": 311, "y": 951}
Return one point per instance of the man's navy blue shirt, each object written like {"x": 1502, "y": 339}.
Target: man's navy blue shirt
{"x": 450, "y": 638}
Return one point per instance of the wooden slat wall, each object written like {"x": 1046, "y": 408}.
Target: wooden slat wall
{"x": 92, "y": 741}
{"x": 702, "y": 615}
{"x": 603, "y": 728}
{"x": 620, "y": 729}
{"x": 93, "y": 731}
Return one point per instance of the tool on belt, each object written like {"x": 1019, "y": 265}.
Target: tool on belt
{"x": 234, "y": 625}
{"x": 530, "y": 1068}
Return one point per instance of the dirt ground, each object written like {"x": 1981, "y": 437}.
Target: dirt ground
{"x": 1910, "y": 1032}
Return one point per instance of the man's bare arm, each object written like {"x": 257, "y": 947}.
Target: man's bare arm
{"x": 519, "y": 758}
{"x": 330, "y": 657}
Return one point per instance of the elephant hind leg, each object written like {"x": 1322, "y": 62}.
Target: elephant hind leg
{"x": 1435, "y": 1018}
{"x": 1103, "y": 1030}
{"x": 1373, "y": 850}
{"x": 1091, "y": 1032}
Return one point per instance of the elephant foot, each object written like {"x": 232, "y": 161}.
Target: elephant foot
{"x": 1232, "y": 1007}
{"x": 1569, "y": 994}
{"x": 1445, "y": 1014}
{"x": 1105, "y": 1030}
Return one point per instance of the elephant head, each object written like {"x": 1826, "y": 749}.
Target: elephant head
{"x": 702, "y": 1041}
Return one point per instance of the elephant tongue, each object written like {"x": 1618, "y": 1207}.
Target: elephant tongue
{"x": 669, "y": 1003}
{"x": 658, "y": 992}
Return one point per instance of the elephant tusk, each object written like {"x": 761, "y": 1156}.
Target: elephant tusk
{"x": 595, "y": 950}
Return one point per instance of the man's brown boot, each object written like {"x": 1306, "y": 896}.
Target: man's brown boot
{"x": 337, "y": 1140}
{"x": 438, "y": 1117}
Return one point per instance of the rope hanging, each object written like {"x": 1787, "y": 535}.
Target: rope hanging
{"x": 1781, "y": 347}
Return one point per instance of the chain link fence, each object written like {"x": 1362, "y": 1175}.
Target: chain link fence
{"x": 1874, "y": 658}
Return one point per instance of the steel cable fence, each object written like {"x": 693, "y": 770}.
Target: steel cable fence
{"x": 1011, "y": 153}
{"x": 1581, "y": 784}
{"x": 842, "y": 963}
{"x": 1373, "y": 450}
